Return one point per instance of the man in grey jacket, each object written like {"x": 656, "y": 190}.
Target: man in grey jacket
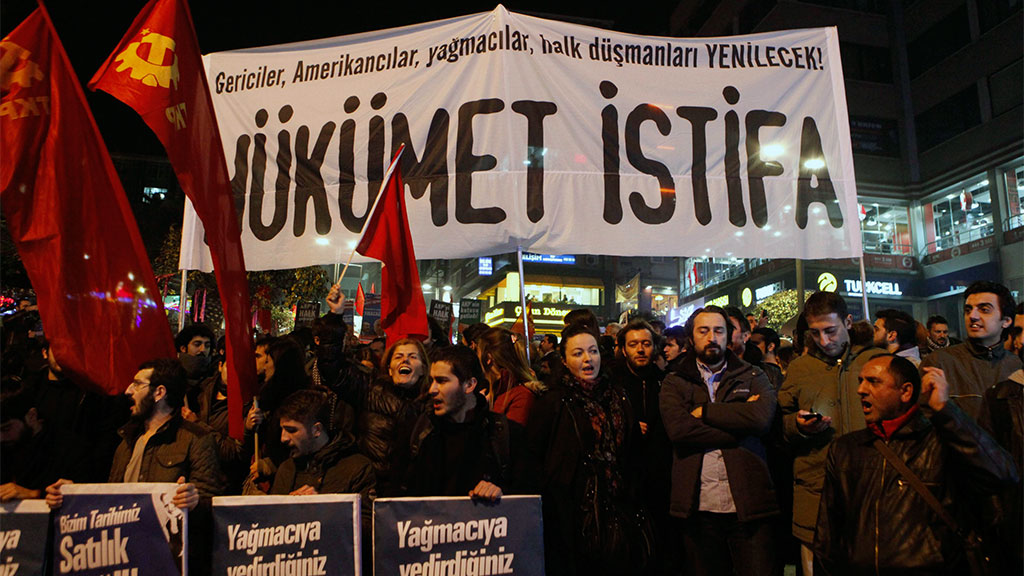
{"x": 819, "y": 403}
{"x": 716, "y": 408}
{"x": 981, "y": 362}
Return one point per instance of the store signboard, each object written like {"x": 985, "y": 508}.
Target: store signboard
{"x": 549, "y": 258}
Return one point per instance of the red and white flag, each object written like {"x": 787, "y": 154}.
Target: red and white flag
{"x": 70, "y": 219}
{"x": 157, "y": 70}
{"x": 386, "y": 237}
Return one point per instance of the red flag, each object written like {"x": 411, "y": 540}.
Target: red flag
{"x": 70, "y": 219}
{"x": 386, "y": 237}
{"x": 360, "y": 299}
{"x": 157, "y": 70}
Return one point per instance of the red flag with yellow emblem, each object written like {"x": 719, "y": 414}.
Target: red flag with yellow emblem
{"x": 70, "y": 219}
{"x": 157, "y": 69}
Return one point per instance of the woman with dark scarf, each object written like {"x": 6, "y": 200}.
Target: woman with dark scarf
{"x": 580, "y": 438}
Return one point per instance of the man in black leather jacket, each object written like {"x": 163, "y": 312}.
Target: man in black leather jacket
{"x": 871, "y": 520}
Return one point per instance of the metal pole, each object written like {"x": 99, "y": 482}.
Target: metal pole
{"x": 182, "y": 300}
{"x": 864, "y": 289}
{"x": 522, "y": 301}
{"x": 799, "y": 286}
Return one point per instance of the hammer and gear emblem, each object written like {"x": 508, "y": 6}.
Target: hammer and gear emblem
{"x": 150, "y": 69}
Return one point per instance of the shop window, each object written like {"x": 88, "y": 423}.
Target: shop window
{"x": 948, "y": 118}
{"x": 1013, "y": 175}
{"x": 962, "y": 215}
{"x": 571, "y": 295}
{"x": 939, "y": 42}
{"x": 885, "y": 229}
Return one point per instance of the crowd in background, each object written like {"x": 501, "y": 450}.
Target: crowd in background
{"x": 715, "y": 447}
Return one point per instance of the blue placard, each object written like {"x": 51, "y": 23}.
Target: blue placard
{"x": 128, "y": 529}
{"x": 23, "y": 526}
{"x": 423, "y": 536}
{"x": 287, "y": 535}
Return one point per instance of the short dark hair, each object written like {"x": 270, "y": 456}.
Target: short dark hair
{"x": 770, "y": 336}
{"x": 676, "y": 334}
{"x": 901, "y": 323}
{"x": 474, "y": 331}
{"x": 329, "y": 329}
{"x": 740, "y": 317}
{"x": 575, "y": 330}
{"x": 634, "y": 325}
{"x": 824, "y": 303}
{"x": 709, "y": 310}
{"x": 308, "y": 407}
{"x": 463, "y": 362}
{"x": 551, "y": 339}
{"x": 265, "y": 340}
{"x": 582, "y": 316}
{"x": 936, "y": 319}
{"x": 169, "y": 373}
{"x": 191, "y": 331}
{"x": 903, "y": 370}
{"x": 1002, "y": 293}
{"x": 289, "y": 362}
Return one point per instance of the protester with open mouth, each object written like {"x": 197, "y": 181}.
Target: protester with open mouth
{"x": 581, "y": 450}
{"x": 387, "y": 408}
{"x": 459, "y": 447}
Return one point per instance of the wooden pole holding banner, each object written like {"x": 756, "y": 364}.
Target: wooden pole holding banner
{"x": 522, "y": 301}
{"x": 864, "y": 289}
{"x": 383, "y": 184}
{"x": 182, "y": 300}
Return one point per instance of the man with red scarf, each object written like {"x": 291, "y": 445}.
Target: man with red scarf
{"x": 871, "y": 518}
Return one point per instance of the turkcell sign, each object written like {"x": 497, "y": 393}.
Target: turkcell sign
{"x": 549, "y": 258}
{"x": 874, "y": 288}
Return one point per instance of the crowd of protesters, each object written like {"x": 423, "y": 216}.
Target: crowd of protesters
{"x": 715, "y": 447}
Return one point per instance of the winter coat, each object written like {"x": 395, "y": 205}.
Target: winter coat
{"x": 485, "y": 456}
{"x": 871, "y": 519}
{"x": 828, "y": 387}
{"x": 1002, "y": 416}
{"x": 559, "y": 438}
{"x": 385, "y": 415}
{"x": 178, "y": 448}
{"x": 337, "y": 468}
{"x": 970, "y": 370}
{"x": 731, "y": 424}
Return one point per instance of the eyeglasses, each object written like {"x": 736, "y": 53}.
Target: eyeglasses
{"x": 138, "y": 384}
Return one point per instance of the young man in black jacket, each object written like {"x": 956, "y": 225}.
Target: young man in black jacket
{"x": 459, "y": 447}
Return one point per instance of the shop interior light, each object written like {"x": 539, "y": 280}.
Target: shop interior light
{"x": 773, "y": 151}
{"x": 322, "y": 241}
{"x": 427, "y": 286}
{"x": 447, "y": 288}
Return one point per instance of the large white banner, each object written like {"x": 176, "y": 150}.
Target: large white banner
{"x": 554, "y": 137}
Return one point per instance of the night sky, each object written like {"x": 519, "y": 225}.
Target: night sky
{"x": 90, "y": 30}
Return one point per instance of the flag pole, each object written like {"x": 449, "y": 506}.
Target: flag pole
{"x": 373, "y": 209}
{"x": 522, "y": 300}
{"x": 182, "y": 300}
{"x": 864, "y": 289}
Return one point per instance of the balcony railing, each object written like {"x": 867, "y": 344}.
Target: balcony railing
{"x": 956, "y": 239}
